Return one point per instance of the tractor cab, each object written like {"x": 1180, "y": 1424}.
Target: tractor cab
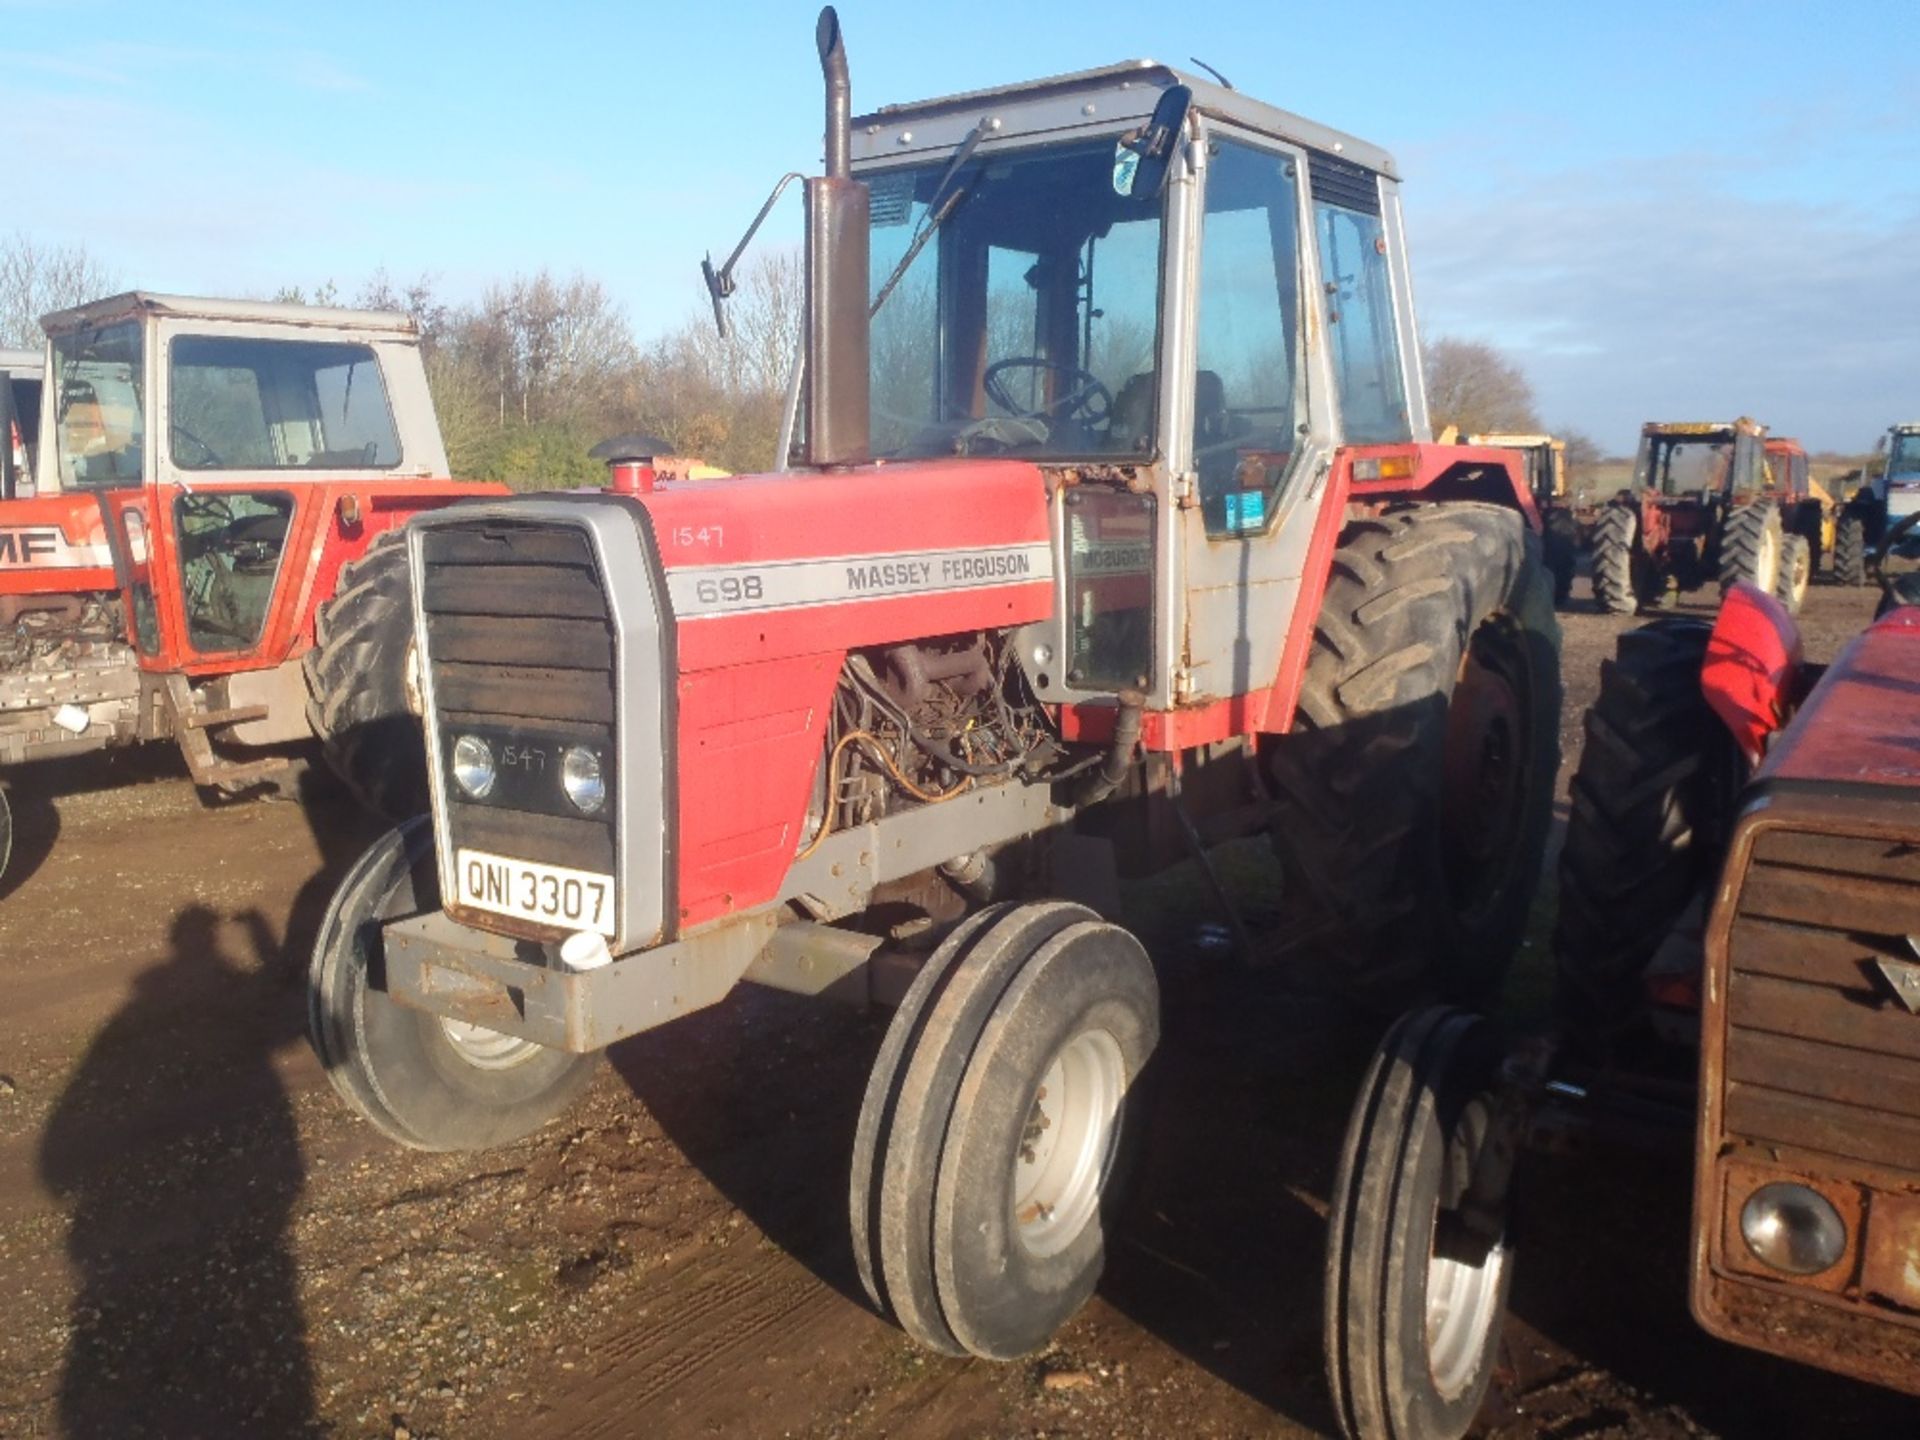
{"x": 1702, "y": 462}
{"x": 1899, "y": 479}
{"x": 1181, "y": 303}
{"x": 1545, "y": 459}
{"x": 195, "y": 445}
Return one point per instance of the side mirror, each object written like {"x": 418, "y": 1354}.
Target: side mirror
{"x": 1143, "y": 156}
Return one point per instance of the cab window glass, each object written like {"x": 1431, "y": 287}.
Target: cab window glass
{"x": 238, "y": 403}
{"x": 100, "y": 432}
{"x": 230, "y": 545}
{"x": 1248, "y": 395}
{"x": 1365, "y": 342}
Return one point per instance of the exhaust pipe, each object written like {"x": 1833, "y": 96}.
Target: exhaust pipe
{"x": 837, "y": 340}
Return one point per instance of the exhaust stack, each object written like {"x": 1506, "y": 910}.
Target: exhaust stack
{"x": 838, "y": 416}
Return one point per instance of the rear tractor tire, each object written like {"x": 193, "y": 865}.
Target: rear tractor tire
{"x": 427, "y": 1082}
{"x": 993, "y": 1137}
{"x": 1751, "y": 547}
{"x": 1850, "y": 548}
{"x": 1416, "y": 1292}
{"x": 1796, "y": 572}
{"x": 1613, "y": 540}
{"x": 1413, "y": 795}
{"x": 1650, "y": 806}
{"x": 359, "y": 675}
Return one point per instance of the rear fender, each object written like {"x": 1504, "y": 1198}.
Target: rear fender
{"x": 1753, "y": 671}
{"x": 1491, "y": 474}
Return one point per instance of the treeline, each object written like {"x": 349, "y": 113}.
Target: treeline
{"x": 527, "y": 379}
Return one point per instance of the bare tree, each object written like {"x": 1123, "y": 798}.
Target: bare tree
{"x": 1470, "y": 384}
{"x": 37, "y": 278}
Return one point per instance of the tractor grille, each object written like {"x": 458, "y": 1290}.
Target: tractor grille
{"x": 520, "y": 645}
{"x": 1821, "y": 1054}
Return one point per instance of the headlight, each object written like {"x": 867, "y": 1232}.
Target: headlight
{"x": 473, "y": 768}
{"x": 580, "y": 777}
{"x": 1793, "y": 1228}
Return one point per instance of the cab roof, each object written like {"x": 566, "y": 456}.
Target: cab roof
{"x": 13, "y": 361}
{"x": 141, "y": 303}
{"x": 1058, "y": 102}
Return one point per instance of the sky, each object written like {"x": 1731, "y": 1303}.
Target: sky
{"x": 1659, "y": 210}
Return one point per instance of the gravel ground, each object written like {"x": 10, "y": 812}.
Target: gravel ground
{"x": 197, "y": 1239}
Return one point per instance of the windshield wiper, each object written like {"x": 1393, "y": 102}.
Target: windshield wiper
{"x": 938, "y": 210}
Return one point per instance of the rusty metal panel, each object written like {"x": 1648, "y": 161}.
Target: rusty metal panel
{"x": 1759, "y": 1113}
{"x": 1843, "y": 854}
{"x": 1863, "y": 1019}
{"x": 1806, "y": 1067}
{"x": 1778, "y": 892}
{"x": 1801, "y": 953}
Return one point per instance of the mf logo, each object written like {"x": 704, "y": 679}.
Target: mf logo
{"x": 40, "y": 545}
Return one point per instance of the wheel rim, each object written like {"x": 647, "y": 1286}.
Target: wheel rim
{"x": 1766, "y": 561}
{"x": 486, "y": 1049}
{"x": 1065, "y": 1148}
{"x": 1484, "y": 786}
{"x": 1463, "y": 1305}
{"x": 1465, "y": 1300}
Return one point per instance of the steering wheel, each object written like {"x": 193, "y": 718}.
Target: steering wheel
{"x": 212, "y": 456}
{"x": 1079, "y": 401}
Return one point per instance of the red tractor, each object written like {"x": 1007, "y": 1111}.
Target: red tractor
{"x": 1710, "y": 503}
{"x": 210, "y": 543}
{"x": 1740, "y": 897}
{"x": 1112, "y": 535}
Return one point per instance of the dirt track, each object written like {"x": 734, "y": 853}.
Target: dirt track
{"x": 195, "y": 1238}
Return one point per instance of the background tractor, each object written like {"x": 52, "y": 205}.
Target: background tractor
{"x": 1545, "y": 459}
{"x": 1109, "y": 536}
{"x": 1885, "y": 500}
{"x": 211, "y": 475}
{"x": 1737, "y": 972}
{"x": 1710, "y": 503}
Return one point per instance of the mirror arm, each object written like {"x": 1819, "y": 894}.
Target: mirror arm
{"x": 720, "y": 283}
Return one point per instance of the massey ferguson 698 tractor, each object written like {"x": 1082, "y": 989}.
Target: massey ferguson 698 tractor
{"x": 1709, "y": 503}
{"x": 210, "y": 474}
{"x": 1883, "y": 502}
{"x": 1114, "y": 533}
{"x": 1771, "y": 922}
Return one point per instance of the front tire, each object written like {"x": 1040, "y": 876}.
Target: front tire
{"x": 1750, "y": 547}
{"x": 1413, "y": 795}
{"x": 1416, "y": 1295}
{"x": 429, "y": 1083}
{"x": 357, "y": 682}
{"x": 1613, "y": 537}
{"x": 992, "y": 1136}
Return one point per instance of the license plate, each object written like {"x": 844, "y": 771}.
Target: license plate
{"x": 544, "y": 894}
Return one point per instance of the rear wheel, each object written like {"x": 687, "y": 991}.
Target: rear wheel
{"x": 1850, "y": 548}
{"x": 1750, "y": 547}
{"x": 1414, "y": 792}
{"x": 6, "y": 832}
{"x": 423, "y": 1080}
{"x": 1416, "y": 1280}
{"x": 1650, "y": 803}
{"x": 992, "y": 1135}
{"x": 359, "y": 677}
{"x": 1613, "y": 537}
{"x": 1796, "y": 572}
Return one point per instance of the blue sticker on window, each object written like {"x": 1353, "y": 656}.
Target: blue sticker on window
{"x": 1125, "y": 162}
{"x": 1246, "y": 509}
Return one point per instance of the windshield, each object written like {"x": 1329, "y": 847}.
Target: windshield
{"x": 1904, "y": 456}
{"x": 1678, "y": 465}
{"x": 1028, "y": 325}
{"x": 238, "y": 403}
{"x": 101, "y": 426}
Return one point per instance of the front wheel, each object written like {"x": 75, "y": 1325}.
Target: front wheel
{"x": 991, "y": 1143}
{"x": 1850, "y": 548}
{"x": 1750, "y": 546}
{"x": 421, "y": 1079}
{"x": 1613, "y": 545}
{"x": 1418, "y": 1262}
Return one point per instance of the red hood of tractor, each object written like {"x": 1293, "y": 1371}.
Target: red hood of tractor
{"x": 1861, "y": 724}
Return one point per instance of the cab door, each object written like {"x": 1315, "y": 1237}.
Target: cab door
{"x": 247, "y": 416}
{"x": 1250, "y": 422}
